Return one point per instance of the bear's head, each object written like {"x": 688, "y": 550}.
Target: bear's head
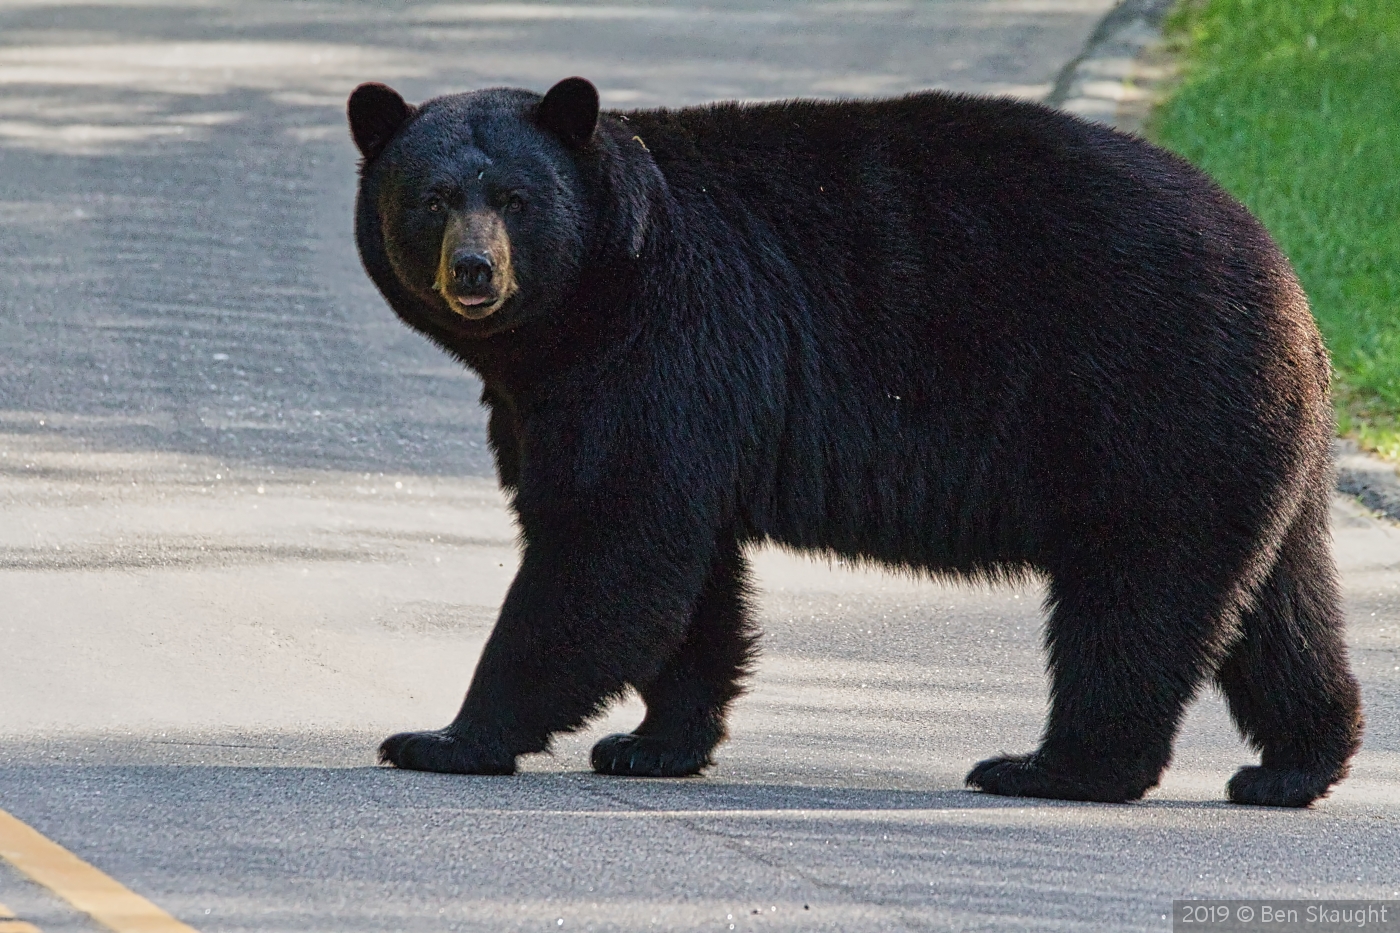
{"x": 480, "y": 211}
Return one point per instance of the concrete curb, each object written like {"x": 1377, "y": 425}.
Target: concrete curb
{"x": 1116, "y": 80}
{"x": 1374, "y": 481}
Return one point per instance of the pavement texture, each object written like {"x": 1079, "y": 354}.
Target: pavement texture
{"x": 248, "y": 527}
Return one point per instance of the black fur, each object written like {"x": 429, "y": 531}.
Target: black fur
{"x": 376, "y": 112}
{"x": 960, "y": 336}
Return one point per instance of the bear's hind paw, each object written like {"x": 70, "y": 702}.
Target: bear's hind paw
{"x": 630, "y": 755}
{"x": 443, "y": 751}
{"x": 1026, "y": 776}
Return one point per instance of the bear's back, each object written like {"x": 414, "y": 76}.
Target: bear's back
{"x": 857, "y": 192}
{"x": 1005, "y": 296}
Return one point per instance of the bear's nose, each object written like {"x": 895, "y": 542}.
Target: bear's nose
{"x": 471, "y": 271}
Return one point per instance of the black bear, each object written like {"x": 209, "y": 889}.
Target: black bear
{"x": 954, "y": 335}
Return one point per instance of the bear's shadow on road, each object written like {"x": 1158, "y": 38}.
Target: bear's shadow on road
{"x": 581, "y": 794}
{"x": 812, "y": 793}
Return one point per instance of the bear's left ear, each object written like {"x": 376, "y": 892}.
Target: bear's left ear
{"x": 376, "y": 112}
{"x": 570, "y": 111}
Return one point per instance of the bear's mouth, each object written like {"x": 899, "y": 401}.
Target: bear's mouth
{"x": 474, "y": 307}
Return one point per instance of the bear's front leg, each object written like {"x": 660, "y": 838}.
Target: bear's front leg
{"x": 689, "y": 698}
{"x": 592, "y": 609}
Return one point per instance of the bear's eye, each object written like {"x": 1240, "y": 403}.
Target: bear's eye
{"x": 435, "y": 204}
{"x": 514, "y": 203}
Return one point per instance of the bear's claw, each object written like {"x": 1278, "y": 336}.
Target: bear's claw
{"x": 442, "y": 751}
{"x": 631, "y": 755}
{"x": 1027, "y": 776}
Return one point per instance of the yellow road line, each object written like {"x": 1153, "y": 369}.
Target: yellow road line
{"x": 78, "y": 883}
{"x": 9, "y": 923}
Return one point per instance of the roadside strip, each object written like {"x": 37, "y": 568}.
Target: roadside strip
{"x": 48, "y": 864}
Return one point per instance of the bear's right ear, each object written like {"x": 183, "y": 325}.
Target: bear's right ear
{"x": 376, "y": 113}
{"x": 570, "y": 111}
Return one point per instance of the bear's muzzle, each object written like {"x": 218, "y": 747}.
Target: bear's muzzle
{"x": 474, "y": 273}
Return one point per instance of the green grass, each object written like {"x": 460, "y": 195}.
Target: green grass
{"x": 1294, "y": 106}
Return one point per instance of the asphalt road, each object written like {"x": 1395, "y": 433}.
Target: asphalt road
{"x": 247, "y": 527}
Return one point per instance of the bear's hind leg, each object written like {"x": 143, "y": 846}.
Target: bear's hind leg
{"x": 687, "y": 701}
{"x": 1129, "y": 645}
{"x": 1287, "y": 680}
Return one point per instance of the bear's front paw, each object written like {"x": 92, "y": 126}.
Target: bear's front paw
{"x": 1027, "y": 776}
{"x": 443, "y": 751}
{"x": 1279, "y": 787}
{"x": 646, "y": 756}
